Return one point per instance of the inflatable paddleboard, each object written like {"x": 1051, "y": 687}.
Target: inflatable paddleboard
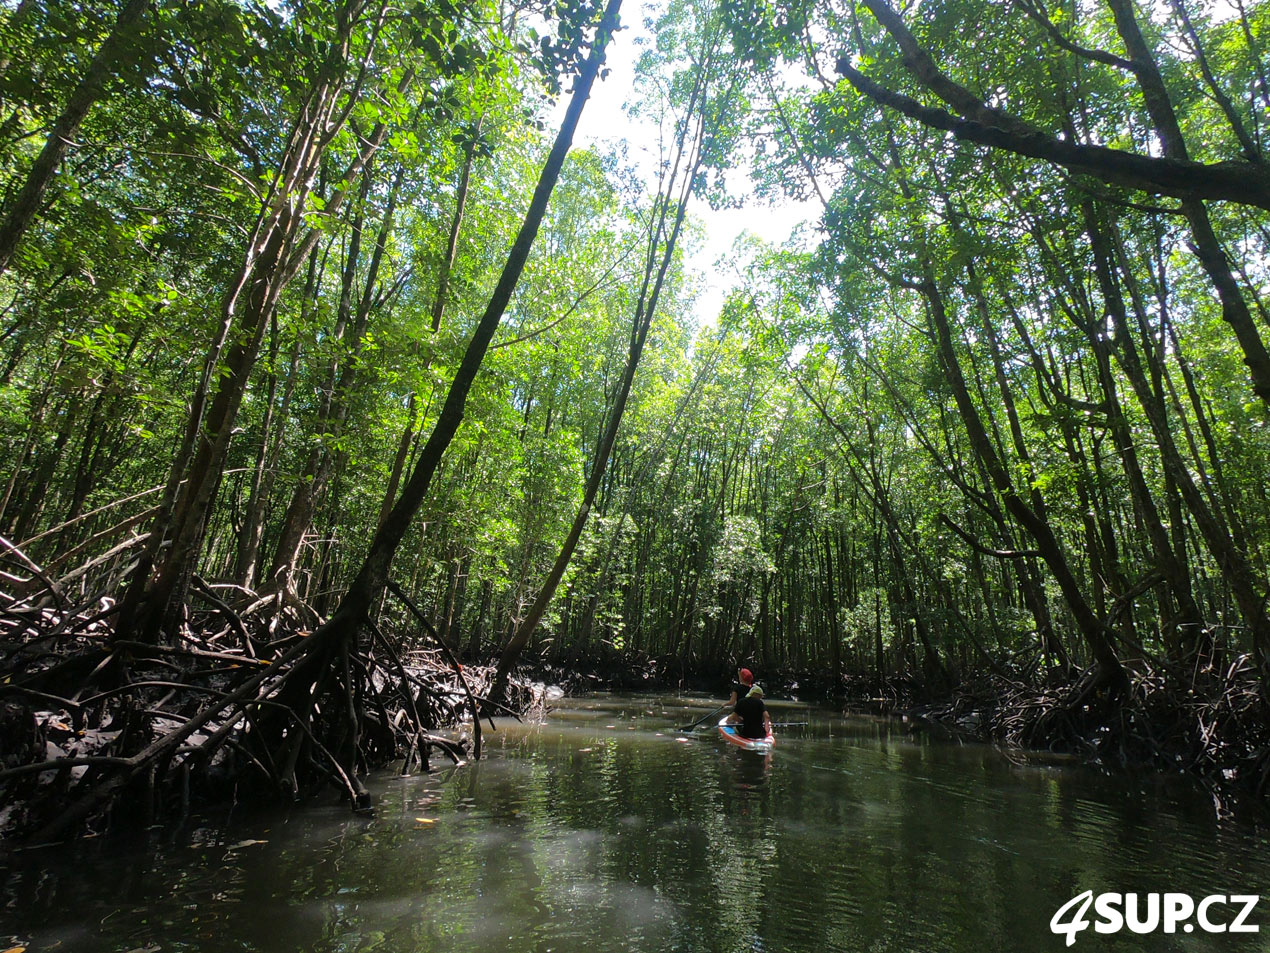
{"x": 729, "y": 733}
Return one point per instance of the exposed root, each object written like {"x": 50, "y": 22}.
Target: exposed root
{"x": 1215, "y": 729}
{"x": 240, "y": 698}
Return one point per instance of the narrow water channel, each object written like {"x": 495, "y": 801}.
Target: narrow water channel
{"x": 604, "y": 829}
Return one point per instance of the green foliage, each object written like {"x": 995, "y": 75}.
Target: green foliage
{"x": 795, "y": 484}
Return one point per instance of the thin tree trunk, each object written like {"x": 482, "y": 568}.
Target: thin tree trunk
{"x": 1236, "y": 570}
{"x": 254, "y": 517}
{"x": 456, "y": 225}
{"x": 438, "y": 312}
{"x": 278, "y": 247}
{"x": 373, "y": 576}
{"x": 1174, "y": 569}
{"x": 1208, "y": 250}
{"x": 14, "y": 23}
{"x": 339, "y": 385}
{"x": 655, "y": 271}
{"x": 26, "y": 203}
{"x": 1094, "y": 630}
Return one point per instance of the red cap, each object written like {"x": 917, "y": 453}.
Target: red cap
{"x": 746, "y": 676}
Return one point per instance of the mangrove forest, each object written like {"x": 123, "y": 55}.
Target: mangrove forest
{"x": 362, "y": 372}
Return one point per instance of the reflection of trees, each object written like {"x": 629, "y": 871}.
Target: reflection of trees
{"x": 611, "y": 839}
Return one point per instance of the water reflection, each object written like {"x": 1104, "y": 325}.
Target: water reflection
{"x": 751, "y": 770}
{"x": 604, "y": 830}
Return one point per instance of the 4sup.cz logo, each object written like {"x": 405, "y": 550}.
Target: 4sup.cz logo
{"x": 1149, "y": 912}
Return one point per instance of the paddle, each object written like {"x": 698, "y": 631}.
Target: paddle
{"x": 703, "y": 718}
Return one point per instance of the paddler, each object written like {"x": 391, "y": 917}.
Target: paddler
{"x": 752, "y": 714}
{"x": 741, "y": 687}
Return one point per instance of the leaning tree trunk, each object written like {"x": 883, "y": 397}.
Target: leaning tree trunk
{"x": 1189, "y": 622}
{"x": 1095, "y": 631}
{"x": 1174, "y": 173}
{"x": 26, "y": 203}
{"x": 373, "y": 577}
{"x": 1236, "y": 569}
{"x": 16, "y": 20}
{"x": 1207, "y": 247}
{"x": 280, "y": 243}
{"x": 687, "y": 161}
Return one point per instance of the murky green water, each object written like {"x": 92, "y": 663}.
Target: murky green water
{"x": 604, "y": 830}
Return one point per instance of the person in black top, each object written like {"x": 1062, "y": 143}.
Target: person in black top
{"x": 752, "y": 714}
{"x": 741, "y": 687}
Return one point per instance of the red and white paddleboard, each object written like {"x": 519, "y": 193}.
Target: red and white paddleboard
{"x": 730, "y": 735}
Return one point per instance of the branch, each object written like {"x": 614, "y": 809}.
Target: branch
{"x": 205, "y": 591}
{"x": 920, "y": 63}
{"x": 63, "y": 764}
{"x": 38, "y": 573}
{"x": 1141, "y": 587}
{"x": 1101, "y": 56}
{"x": 144, "y": 650}
{"x": 978, "y": 546}
{"x": 572, "y": 308}
{"x": 1245, "y": 183}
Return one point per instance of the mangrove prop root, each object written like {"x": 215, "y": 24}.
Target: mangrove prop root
{"x": 97, "y": 729}
{"x": 1214, "y": 727}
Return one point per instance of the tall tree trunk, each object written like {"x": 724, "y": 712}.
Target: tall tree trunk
{"x": 1234, "y": 309}
{"x": 438, "y": 312}
{"x": 279, "y": 245}
{"x": 456, "y": 225}
{"x": 1236, "y": 570}
{"x": 872, "y": 484}
{"x": 372, "y": 577}
{"x": 117, "y": 47}
{"x": 340, "y": 383}
{"x": 266, "y": 455}
{"x": 36, "y": 418}
{"x": 660, "y": 253}
{"x": 473, "y": 651}
{"x": 1173, "y": 567}
{"x": 1095, "y": 631}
